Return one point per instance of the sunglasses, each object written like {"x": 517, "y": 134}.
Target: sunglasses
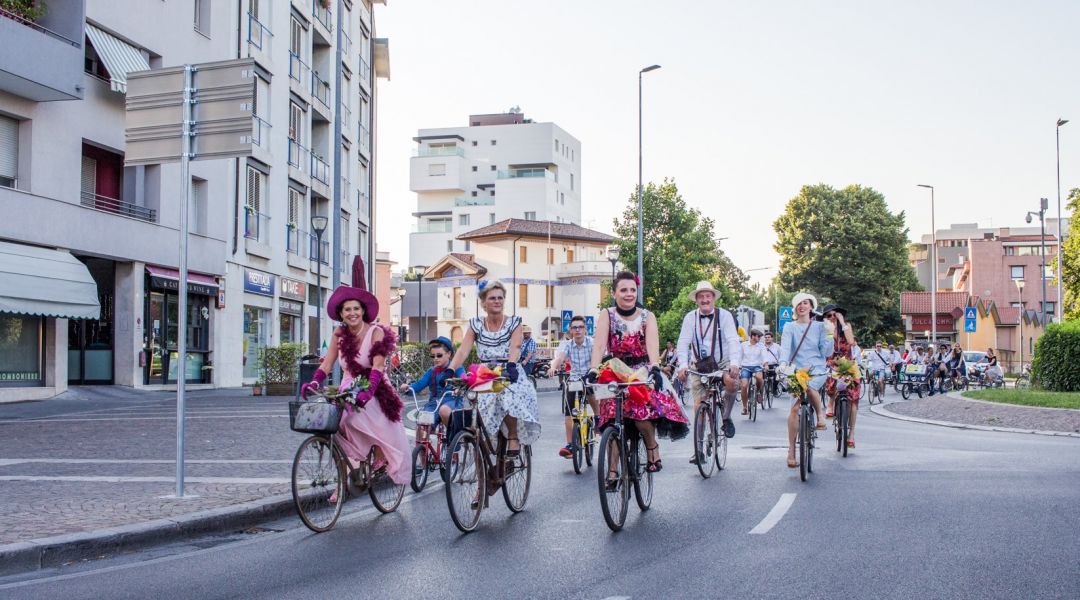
{"x": 439, "y": 355}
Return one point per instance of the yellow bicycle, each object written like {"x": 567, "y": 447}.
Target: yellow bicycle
{"x": 582, "y": 440}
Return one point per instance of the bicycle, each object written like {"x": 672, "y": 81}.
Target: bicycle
{"x": 915, "y": 381}
{"x": 710, "y": 444}
{"x": 1023, "y": 381}
{"x": 751, "y": 399}
{"x": 468, "y": 488}
{"x": 772, "y": 388}
{"x": 582, "y": 439}
{"x": 807, "y": 435}
{"x": 426, "y": 456}
{"x": 321, "y": 479}
{"x": 622, "y": 453}
{"x": 842, "y": 407}
{"x": 877, "y": 389}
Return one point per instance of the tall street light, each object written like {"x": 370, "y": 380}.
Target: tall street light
{"x": 1043, "y": 203}
{"x": 421, "y": 269}
{"x": 1020, "y": 288}
{"x": 933, "y": 266}
{"x": 640, "y": 184}
{"x": 613, "y": 257}
{"x": 318, "y": 225}
{"x": 1060, "y": 240}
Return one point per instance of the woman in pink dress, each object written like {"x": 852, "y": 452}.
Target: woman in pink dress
{"x": 360, "y": 346}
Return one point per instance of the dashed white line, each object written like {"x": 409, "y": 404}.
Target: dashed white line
{"x": 774, "y": 516}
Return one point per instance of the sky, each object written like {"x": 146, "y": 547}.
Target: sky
{"x": 753, "y": 100}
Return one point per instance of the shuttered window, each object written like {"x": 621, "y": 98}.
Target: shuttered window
{"x": 89, "y": 177}
{"x": 254, "y": 190}
{"x": 294, "y": 207}
{"x": 9, "y": 151}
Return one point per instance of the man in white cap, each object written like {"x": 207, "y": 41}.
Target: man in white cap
{"x": 709, "y": 332}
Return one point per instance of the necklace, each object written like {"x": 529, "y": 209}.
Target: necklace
{"x": 625, "y": 313}
{"x": 359, "y": 332}
{"x": 502, "y": 321}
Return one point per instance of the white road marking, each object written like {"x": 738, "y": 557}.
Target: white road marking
{"x": 774, "y": 516}
{"x": 126, "y": 479}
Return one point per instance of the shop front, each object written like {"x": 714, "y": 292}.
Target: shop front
{"x": 90, "y": 341}
{"x": 258, "y": 305}
{"x": 291, "y": 310}
{"x": 161, "y": 359}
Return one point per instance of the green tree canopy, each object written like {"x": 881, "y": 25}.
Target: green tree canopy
{"x": 669, "y": 322}
{"x": 1070, "y": 262}
{"x": 845, "y": 246}
{"x": 680, "y": 247}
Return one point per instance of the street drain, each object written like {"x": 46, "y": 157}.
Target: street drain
{"x": 763, "y": 447}
{"x": 254, "y": 530}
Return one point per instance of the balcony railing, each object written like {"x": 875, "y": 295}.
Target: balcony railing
{"x": 313, "y": 250}
{"x": 433, "y": 227}
{"x": 346, "y": 268}
{"x": 258, "y": 34}
{"x": 346, "y": 114}
{"x": 116, "y": 206}
{"x": 260, "y": 132}
{"x": 319, "y": 169}
{"x": 346, "y": 188}
{"x": 255, "y": 223}
{"x": 296, "y": 155}
{"x": 365, "y": 70}
{"x": 452, "y": 313}
{"x": 524, "y": 173}
{"x": 346, "y": 44}
{"x": 439, "y": 151}
{"x": 293, "y": 236}
{"x": 321, "y": 14}
{"x": 363, "y": 202}
{"x": 320, "y": 89}
{"x": 298, "y": 69}
{"x": 479, "y": 201}
{"x": 364, "y": 138}
{"x": 32, "y": 25}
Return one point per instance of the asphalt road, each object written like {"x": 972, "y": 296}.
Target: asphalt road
{"x": 915, "y": 511}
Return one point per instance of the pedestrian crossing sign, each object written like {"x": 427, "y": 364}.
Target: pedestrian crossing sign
{"x": 785, "y": 313}
{"x": 969, "y": 325}
{"x": 969, "y": 313}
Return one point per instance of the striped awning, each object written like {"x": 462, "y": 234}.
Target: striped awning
{"x": 120, "y": 57}
{"x": 45, "y": 282}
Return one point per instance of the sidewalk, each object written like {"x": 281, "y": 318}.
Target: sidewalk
{"x": 957, "y": 411}
{"x": 94, "y": 460}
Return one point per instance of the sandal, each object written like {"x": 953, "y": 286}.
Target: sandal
{"x": 821, "y": 425}
{"x": 512, "y": 452}
{"x": 653, "y": 466}
{"x": 612, "y": 482}
{"x": 851, "y": 443}
{"x": 792, "y": 463}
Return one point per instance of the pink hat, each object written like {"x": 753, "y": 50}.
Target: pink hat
{"x": 357, "y": 291}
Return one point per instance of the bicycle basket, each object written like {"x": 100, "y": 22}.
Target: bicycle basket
{"x": 575, "y": 385}
{"x": 425, "y": 417}
{"x": 314, "y": 417}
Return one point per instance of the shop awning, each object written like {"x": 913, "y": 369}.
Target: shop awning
{"x": 120, "y": 57}
{"x": 195, "y": 280}
{"x": 44, "y": 282}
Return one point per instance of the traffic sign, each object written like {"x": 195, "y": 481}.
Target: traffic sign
{"x": 969, "y": 312}
{"x": 969, "y": 325}
{"x": 566, "y": 316}
{"x": 589, "y": 325}
{"x": 784, "y": 318}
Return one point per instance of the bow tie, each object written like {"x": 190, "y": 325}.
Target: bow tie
{"x": 708, "y": 316}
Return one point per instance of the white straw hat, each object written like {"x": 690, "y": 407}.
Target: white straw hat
{"x": 703, "y": 286}
{"x": 804, "y": 296}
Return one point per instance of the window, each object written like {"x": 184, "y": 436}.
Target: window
{"x": 493, "y": 167}
{"x": 530, "y": 215}
{"x": 474, "y": 142}
{"x": 556, "y": 145}
{"x": 202, "y": 17}
{"x": 475, "y": 168}
{"x": 362, "y": 242}
{"x": 1017, "y": 271}
{"x": 569, "y": 256}
{"x": 491, "y": 193}
{"x": 562, "y": 198}
{"x": 549, "y": 296}
{"x": 197, "y": 206}
{"x": 1049, "y": 308}
{"x": 345, "y": 242}
{"x": 296, "y": 123}
{"x": 571, "y": 182}
{"x": 253, "y": 205}
{"x": 463, "y": 219}
{"x": 9, "y": 152}
{"x": 1048, "y": 271}
{"x": 550, "y": 256}
{"x": 523, "y": 295}
{"x": 437, "y": 169}
{"x": 492, "y": 142}
{"x": 292, "y": 225}
{"x": 449, "y": 245}
{"x": 523, "y": 254}
{"x": 468, "y": 246}
{"x": 491, "y": 218}
{"x": 473, "y": 193}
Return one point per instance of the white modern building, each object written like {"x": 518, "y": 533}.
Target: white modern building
{"x": 502, "y": 166}
{"x": 65, "y": 189}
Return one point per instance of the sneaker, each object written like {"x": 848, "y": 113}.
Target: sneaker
{"x": 566, "y": 451}
{"x": 729, "y": 428}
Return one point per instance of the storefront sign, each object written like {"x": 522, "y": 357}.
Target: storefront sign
{"x": 221, "y": 297}
{"x": 289, "y": 307}
{"x": 20, "y": 376}
{"x": 945, "y": 322}
{"x": 293, "y": 289}
{"x": 173, "y": 285}
{"x": 257, "y": 282}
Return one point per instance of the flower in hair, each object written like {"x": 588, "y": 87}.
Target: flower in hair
{"x": 637, "y": 279}
{"x": 483, "y": 284}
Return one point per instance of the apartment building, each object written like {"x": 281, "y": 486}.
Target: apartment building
{"x": 252, "y": 254}
{"x": 501, "y": 166}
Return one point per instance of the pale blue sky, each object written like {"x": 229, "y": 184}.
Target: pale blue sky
{"x": 755, "y": 99}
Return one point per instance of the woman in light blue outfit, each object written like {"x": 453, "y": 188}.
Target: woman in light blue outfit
{"x": 805, "y": 345}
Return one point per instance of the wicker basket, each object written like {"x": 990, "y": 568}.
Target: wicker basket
{"x": 314, "y": 417}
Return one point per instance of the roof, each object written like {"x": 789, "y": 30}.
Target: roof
{"x": 1008, "y": 315}
{"x": 918, "y": 303}
{"x": 469, "y": 259}
{"x": 1027, "y": 238}
{"x": 562, "y": 231}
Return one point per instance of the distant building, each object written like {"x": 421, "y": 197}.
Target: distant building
{"x": 501, "y": 166}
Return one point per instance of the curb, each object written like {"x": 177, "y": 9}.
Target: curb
{"x": 44, "y": 553}
{"x": 879, "y": 409}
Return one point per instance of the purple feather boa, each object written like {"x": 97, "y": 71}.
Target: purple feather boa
{"x": 349, "y": 348}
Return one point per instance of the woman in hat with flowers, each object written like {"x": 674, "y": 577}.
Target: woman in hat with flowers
{"x": 361, "y": 346}
{"x": 843, "y": 337}
{"x": 804, "y": 346}
{"x": 498, "y": 340}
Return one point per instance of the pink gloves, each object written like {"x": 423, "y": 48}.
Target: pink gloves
{"x": 314, "y": 385}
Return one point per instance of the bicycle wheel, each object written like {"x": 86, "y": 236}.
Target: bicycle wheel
{"x": 419, "y": 469}
{"x": 905, "y": 391}
{"x": 705, "y": 440}
{"x": 318, "y": 474}
{"x": 517, "y": 479}
{"x": 577, "y": 449}
{"x": 466, "y": 487}
{"x": 590, "y": 437}
{"x": 845, "y": 427}
{"x": 611, "y": 464}
{"x": 812, "y": 442}
{"x": 1023, "y": 383}
{"x": 720, "y": 453}
{"x": 643, "y": 479}
{"x": 753, "y": 394}
{"x": 803, "y": 441}
{"x": 768, "y": 396}
{"x": 840, "y": 409}
{"x": 385, "y": 494}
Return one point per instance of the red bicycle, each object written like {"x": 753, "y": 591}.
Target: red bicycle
{"x": 427, "y": 455}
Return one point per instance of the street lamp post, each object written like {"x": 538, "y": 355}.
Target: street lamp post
{"x": 933, "y": 266}
{"x": 1020, "y": 288}
{"x": 640, "y": 192}
{"x": 613, "y": 257}
{"x": 1060, "y": 239}
{"x": 420, "y": 298}
{"x": 318, "y": 225}
{"x": 1043, "y": 204}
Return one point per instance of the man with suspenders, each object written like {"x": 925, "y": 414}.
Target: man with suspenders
{"x": 709, "y": 331}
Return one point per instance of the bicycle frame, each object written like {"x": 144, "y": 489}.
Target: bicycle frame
{"x": 580, "y": 411}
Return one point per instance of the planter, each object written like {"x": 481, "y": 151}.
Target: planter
{"x": 281, "y": 389}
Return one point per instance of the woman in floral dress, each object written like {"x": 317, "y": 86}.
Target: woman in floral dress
{"x": 498, "y": 339}
{"x": 628, "y": 332}
{"x": 843, "y": 341}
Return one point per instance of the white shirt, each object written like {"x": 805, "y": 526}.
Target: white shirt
{"x": 753, "y": 355}
{"x": 772, "y": 353}
{"x": 697, "y": 332}
{"x": 897, "y": 357}
{"x": 879, "y": 359}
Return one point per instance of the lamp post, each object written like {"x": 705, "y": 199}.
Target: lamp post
{"x": 640, "y": 191}
{"x": 1060, "y": 240}
{"x": 933, "y": 266}
{"x": 1020, "y": 288}
{"x": 421, "y": 269}
{"x": 318, "y": 225}
{"x": 1043, "y": 204}
{"x": 613, "y": 257}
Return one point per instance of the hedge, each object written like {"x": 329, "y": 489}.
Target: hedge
{"x": 1056, "y": 366}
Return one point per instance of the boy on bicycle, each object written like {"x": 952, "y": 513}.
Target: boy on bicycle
{"x": 578, "y": 350}
{"x": 435, "y": 378}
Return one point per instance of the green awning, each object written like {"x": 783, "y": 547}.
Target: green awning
{"x": 45, "y": 282}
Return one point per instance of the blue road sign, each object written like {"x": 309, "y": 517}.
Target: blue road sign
{"x": 784, "y": 319}
{"x": 589, "y": 325}
{"x": 969, "y": 325}
{"x": 969, "y": 313}
{"x": 566, "y": 316}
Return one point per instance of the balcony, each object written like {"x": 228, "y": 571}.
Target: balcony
{"x": 438, "y": 151}
{"x": 478, "y": 201}
{"x": 259, "y": 35}
{"x": 256, "y": 224}
{"x": 299, "y": 74}
{"x": 346, "y": 45}
{"x": 437, "y": 173}
{"x": 320, "y": 170}
{"x": 297, "y": 154}
{"x": 320, "y": 90}
{"x": 322, "y": 15}
{"x": 365, "y": 72}
{"x": 293, "y": 238}
{"x": 43, "y": 58}
{"x": 260, "y": 132}
{"x": 364, "y": 139}
{"x": 314, "y": 247}
{"x": 346, "y": 116}
{"x": 526, "y": 173}
{"x": 452, "y": 313}
{"x": 118, "y": 207}
{"x": 363, "y": 206}
{"x": 584, "y": 268}
{"x": 433, "y": 227}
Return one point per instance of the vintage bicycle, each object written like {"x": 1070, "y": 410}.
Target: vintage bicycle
{"x": 583, "y": 423}
{"x": 710, "y": 444}
{"x": 428, "y": 456}
{"x": 623, "y": 459}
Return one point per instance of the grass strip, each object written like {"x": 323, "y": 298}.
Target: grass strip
{"x": 1028, "y": 397}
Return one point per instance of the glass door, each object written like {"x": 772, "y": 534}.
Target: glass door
{"x": 155, "y": 344}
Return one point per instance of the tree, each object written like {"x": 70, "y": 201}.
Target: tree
{"x": 1070, "y": 262}
{"x": 680, "y": 247}
{"x": 846, "y": 246}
